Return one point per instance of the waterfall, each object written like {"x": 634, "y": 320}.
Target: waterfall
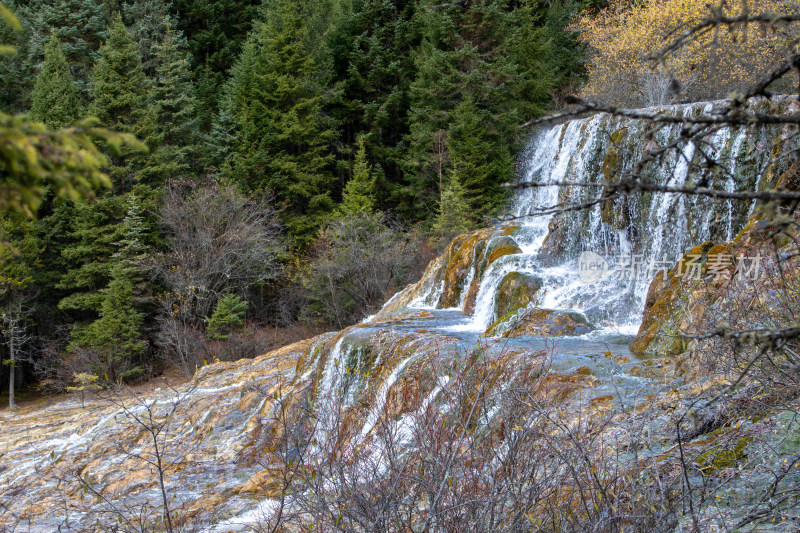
{"x": 637, "y": 235}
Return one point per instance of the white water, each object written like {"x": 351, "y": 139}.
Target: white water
{"x": 646, "y": 233}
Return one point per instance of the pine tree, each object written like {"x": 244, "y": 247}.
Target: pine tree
{"x": 87, "y": 256}
{"x": 18, "y": 256}
{"x": 372, "y": 44}
{"x": 121, "y": 92}
{"x": 80, "y": 25}
{"x": 225, "y": 139}
{"x": 55, "y": 98}
{"x": 484, "y": 62}
{"x": 228, "y": 314}
{"x": 132, "y": 247}
{"x": 453, "y": 215}
{"x": 286, "y": 135}
{"x": 484, "y": 161}
{"x": 116, "y": 337}
{"x": 16, "y": 71}
{"x": 216, "y": 31}
{"x": 174, "y": 144}
{"x": 220, "y": 143}
{"x": 210, "y": 88}
{"x": 148, "y": 22}
{"x": 359, "y": 194}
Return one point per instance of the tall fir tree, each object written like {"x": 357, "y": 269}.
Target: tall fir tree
{"x": 219, "y": 145}
{"x": 120, "y": 100}
{"x": 173, "y": 104}
{"x": 147, "y": 21}
{"x": 453, "y": 216}
{"x": 87, "y": 256}
{"x": 16, "y": 71}
{"x": 279, "y": 97}
{"x": 484, "y": 61}
{"x": 359, "y": 194}
{"x": 80, "y": 25}
{"x": 480, "y": 157}
{"x": 115, "y": 341}
{"x": 372, "y": 43}
{"x": 55, "y": 98}
{"x": 116, "y": 338}
{"x": 216, "y": 31}
{"x": 18, "y": 258}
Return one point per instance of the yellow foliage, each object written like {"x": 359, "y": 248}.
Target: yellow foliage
{"x": 623, "y": 37}
{"x": 84, "y": 381}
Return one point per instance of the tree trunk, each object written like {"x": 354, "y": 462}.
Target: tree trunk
{"x": 11, "y": 373}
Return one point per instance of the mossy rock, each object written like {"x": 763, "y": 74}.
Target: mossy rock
{"x": 719, "y": 458}
{"x": 495, "y": 249}
{"x": 543, "y": 323}
{"x": 503, "y": 250}
{"x": 461, "y": 255}
{"x": 658, "y": 307}
{"x": 509, "y": 231}
{"x": 611, "y": 163}
{"x": 516, "y": 291}
{"x": 555, "y": 243}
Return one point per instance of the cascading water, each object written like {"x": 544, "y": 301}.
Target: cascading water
{"x": 637, "y": 235}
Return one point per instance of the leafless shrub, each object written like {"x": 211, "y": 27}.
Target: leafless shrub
{"x": 221, "y": 242}
{"x": 356, "y": 264}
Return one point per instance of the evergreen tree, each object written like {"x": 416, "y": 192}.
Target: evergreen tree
{"x": 210, "y": 93}
{"x": 216, "y": 31}
{"x": 148, "y": 22}
{"x": 477, "y": 154}
{"x": 116, "y": 339}
{"x": 16, "y": 71}
{"x": 18, "y": 256}
{"x": 55, "y": 98}
{"x": 484, "y": 61}
{"x": 228, "y": 314}
{"x": 87, "y": 257}
{"x": 358, "y": 194}
{"x": 132, "y": 244}
{"x": 80, "y": 25}
{"x": 372, "y": 44}
{"x": 174, "y": 146}
{"x": 121, "y": 92}
{"x": 279, "y": 102}
{"x": 453, "y": 216}
{"x": 225, "y": 138}
{"x": 220, "y": 143}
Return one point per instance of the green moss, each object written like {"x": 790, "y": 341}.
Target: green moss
{"x": 501, "y": 325}
{"x": 496, "y": 248}
{"x": 719, "y": 458}
{"x": 457, "y": 269}
{"x": 618, "y": 136}
{"x": 500, "y": 252}
{"x": 540, "y": 322}
{"x": 509, "y": 231}
{"x": 515, "y": 292}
